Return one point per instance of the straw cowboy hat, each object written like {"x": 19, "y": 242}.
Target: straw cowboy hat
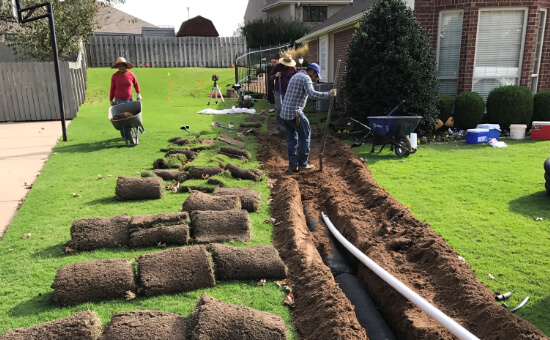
{"x": 287, "y": 60}
{"x": 121, "y": 60}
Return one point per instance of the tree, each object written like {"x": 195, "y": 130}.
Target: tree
{"x": 74, "y": 22}
{"x": 390, "y": 60}
{"x": 272, "y": 31}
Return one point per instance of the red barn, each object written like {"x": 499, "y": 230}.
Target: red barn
{"x": 197, "y": 27}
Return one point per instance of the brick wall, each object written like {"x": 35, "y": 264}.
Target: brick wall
{"x": 427, "y": 13}
{"x": 313, "y": 51}
{"x": 342, "y": 40}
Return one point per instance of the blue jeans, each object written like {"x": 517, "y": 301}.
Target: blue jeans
{"x": 297, "y": 134}
{"x": 123, "y": 101}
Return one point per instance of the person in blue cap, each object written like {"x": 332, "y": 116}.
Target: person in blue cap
{"x": 300, "y": 88}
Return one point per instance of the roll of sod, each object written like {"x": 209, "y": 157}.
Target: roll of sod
{"x": 188, "y": 153}
{"x": 93, "y": 281}
{"x": 202, "y": 172}
{"x": 201, "y": 201}
{"x": 175, "y": 270}
{"x": 99, "y": 232}
{"x": 214, "y": 319}
{"x": 146, "y": 324}
{"x": 237, "y": 172}
{"x": 247, "y": 263}
{"x": 169, "y": 175}
{"x": 139, "y": 188}
{"x": 234, "y": 153}
{"x": 250, "y": 199}
{"x": 83, "y": 326}
{"x": 176, "y": 235}
{"x": 220, "y": 226}
{"x": 162, "y": 219}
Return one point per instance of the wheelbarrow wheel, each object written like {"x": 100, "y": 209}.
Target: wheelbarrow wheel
{"x": 131, "y": 136}
{"x": 403, "y": 146}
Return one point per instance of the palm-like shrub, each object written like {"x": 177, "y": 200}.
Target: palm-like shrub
{"x": 469, "y": 109}
{"x": 510, "y": 104}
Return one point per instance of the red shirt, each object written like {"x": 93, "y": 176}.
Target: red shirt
{"x": 121, "y": 85}
{"x": 286, "y": 73}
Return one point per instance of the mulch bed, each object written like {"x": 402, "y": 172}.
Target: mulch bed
{"x": 139, "y": 188}
{"x": 214, "y": 319}
{"x": 250, "y": 199}
{"x": 146, "y": 324}
{"x": 99, "y": 232}
{"x": 175, "y": 270}
{"x": 247, "y": 263}
{"x": 83, "y": 326}
{"x": 93, "y": 281}
{"x": 220, "y": 226}
{"x": 201, "y": 201}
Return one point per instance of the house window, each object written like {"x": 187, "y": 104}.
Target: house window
{"x": 499, "y": 49}
{"x": 448, "y": 52}
{"x": 538, "y": 51}
{"x": 314, "y": 13}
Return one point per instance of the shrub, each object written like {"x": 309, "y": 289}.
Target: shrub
{"x": 445, "y": 106}
{"x": 272, "y": 31}
{"x": 510, "y": 104}
{"x": 389, "y": 60}
{"x": 469, "y": 109}
{"x": 541, "y": 106}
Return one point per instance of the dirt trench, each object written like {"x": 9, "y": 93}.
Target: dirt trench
{"x": 371, "y": 219}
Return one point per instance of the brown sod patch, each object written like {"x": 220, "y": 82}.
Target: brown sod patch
{"x": 214, "y": 319}
{"x": 215, "y": 181}
{"x": 220, "y": 226}
{"x": 368, "y": 217}
{"x": 83, "y": 325}
{"x": 208, "y": 141}
{"x": 190, "y": 154}
{"x": 237, "y": 172}
{"x": 169, "y": 175}
{"x": 234, "y": 153}
{"x": 232, "y": 141}
{"x": 256, "y": 118}
{"x": 138, "y": 188}
{"x": 146, "y": 324}
{"x": 201, "y": 201}
{"x": 247, "y": 263}
{"x": 184, "y": 141}
{"x": 250, "y": 125}
{"x": 162, "y": 219}
{"x": 200, "y": 172}
{"x": 175, "y": 270}
{"x": 250, "y": 199}
{"x": 177, "y": 235}
{"x": 93, "y": 281}
{"x": 99, "y": 232}
{"x": 190, "y": 188}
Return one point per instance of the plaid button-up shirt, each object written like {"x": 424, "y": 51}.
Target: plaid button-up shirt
{"x": 299, "y": 89}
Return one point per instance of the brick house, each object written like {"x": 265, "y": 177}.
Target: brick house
{"x": 479, "y": 45}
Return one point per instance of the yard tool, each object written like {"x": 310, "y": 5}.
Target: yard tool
{"x": 186, "y": 128}
{"x": 219, "y": 125}
{"x": 331, "y": 105}
{"x": 280, "y": 126}
{"x": 215, "y": 91}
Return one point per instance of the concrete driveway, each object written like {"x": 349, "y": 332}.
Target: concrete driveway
{"x": 24, "y": 148}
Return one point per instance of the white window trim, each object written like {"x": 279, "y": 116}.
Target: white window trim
{"x": 522, "y": 48}
{"x": 535, "y": 76}
{"x": 324, "y": 67}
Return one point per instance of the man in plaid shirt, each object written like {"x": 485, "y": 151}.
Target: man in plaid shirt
{"x": 299, "y": 89}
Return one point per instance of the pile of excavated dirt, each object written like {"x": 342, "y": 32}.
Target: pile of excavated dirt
{"x": 384, "y": 230}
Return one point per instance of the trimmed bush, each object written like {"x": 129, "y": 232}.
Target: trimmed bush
{"x": 445, "y": 106}
{"x": 510, "y": 104}
{"x": 541, "y": 106}
{"x": 469, "y": 108}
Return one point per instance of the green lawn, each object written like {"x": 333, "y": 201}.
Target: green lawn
{"x": 171, "y": 98}
{"x": 484, "y": 201}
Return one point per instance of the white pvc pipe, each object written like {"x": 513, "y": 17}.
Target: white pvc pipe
{"x": 432, "y": 311}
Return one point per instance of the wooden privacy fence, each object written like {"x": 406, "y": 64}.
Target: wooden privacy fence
{"x": 28, "y": 90}
{"x": 143, "y": 51}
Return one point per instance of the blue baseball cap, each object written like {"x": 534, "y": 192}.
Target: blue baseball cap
{"x": 315, "y": 68}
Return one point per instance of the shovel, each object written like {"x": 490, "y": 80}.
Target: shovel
{"x": 282, "y": 128}
{"x": 325, "y": 133}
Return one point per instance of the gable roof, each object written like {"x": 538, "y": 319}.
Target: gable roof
{"x": 111, "y": 20}
{"x": 197, "y": 27}
{"x": 271, "y": 4}
{"x": 347, "y": 16}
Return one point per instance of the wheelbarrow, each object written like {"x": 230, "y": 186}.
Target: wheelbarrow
{"x": 129, "y": 127}
{"x": 393, "y": 130}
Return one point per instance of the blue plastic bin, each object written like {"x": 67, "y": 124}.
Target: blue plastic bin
{"x": 494, "y": 129}
{"x": 477, "y": 136}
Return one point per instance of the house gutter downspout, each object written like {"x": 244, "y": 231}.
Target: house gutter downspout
{"x": 431, "y": 310}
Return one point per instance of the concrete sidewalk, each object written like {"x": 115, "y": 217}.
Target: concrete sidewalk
{"x": 24, "y": 148}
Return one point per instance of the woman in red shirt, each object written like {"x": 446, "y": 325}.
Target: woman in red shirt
{"x": 121, "y": 83}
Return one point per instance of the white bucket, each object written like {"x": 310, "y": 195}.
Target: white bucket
{"x": 414, "y": 140}
{"x": 517, "y": 131}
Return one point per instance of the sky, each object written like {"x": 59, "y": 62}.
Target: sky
{"x": 226, "y": 15}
